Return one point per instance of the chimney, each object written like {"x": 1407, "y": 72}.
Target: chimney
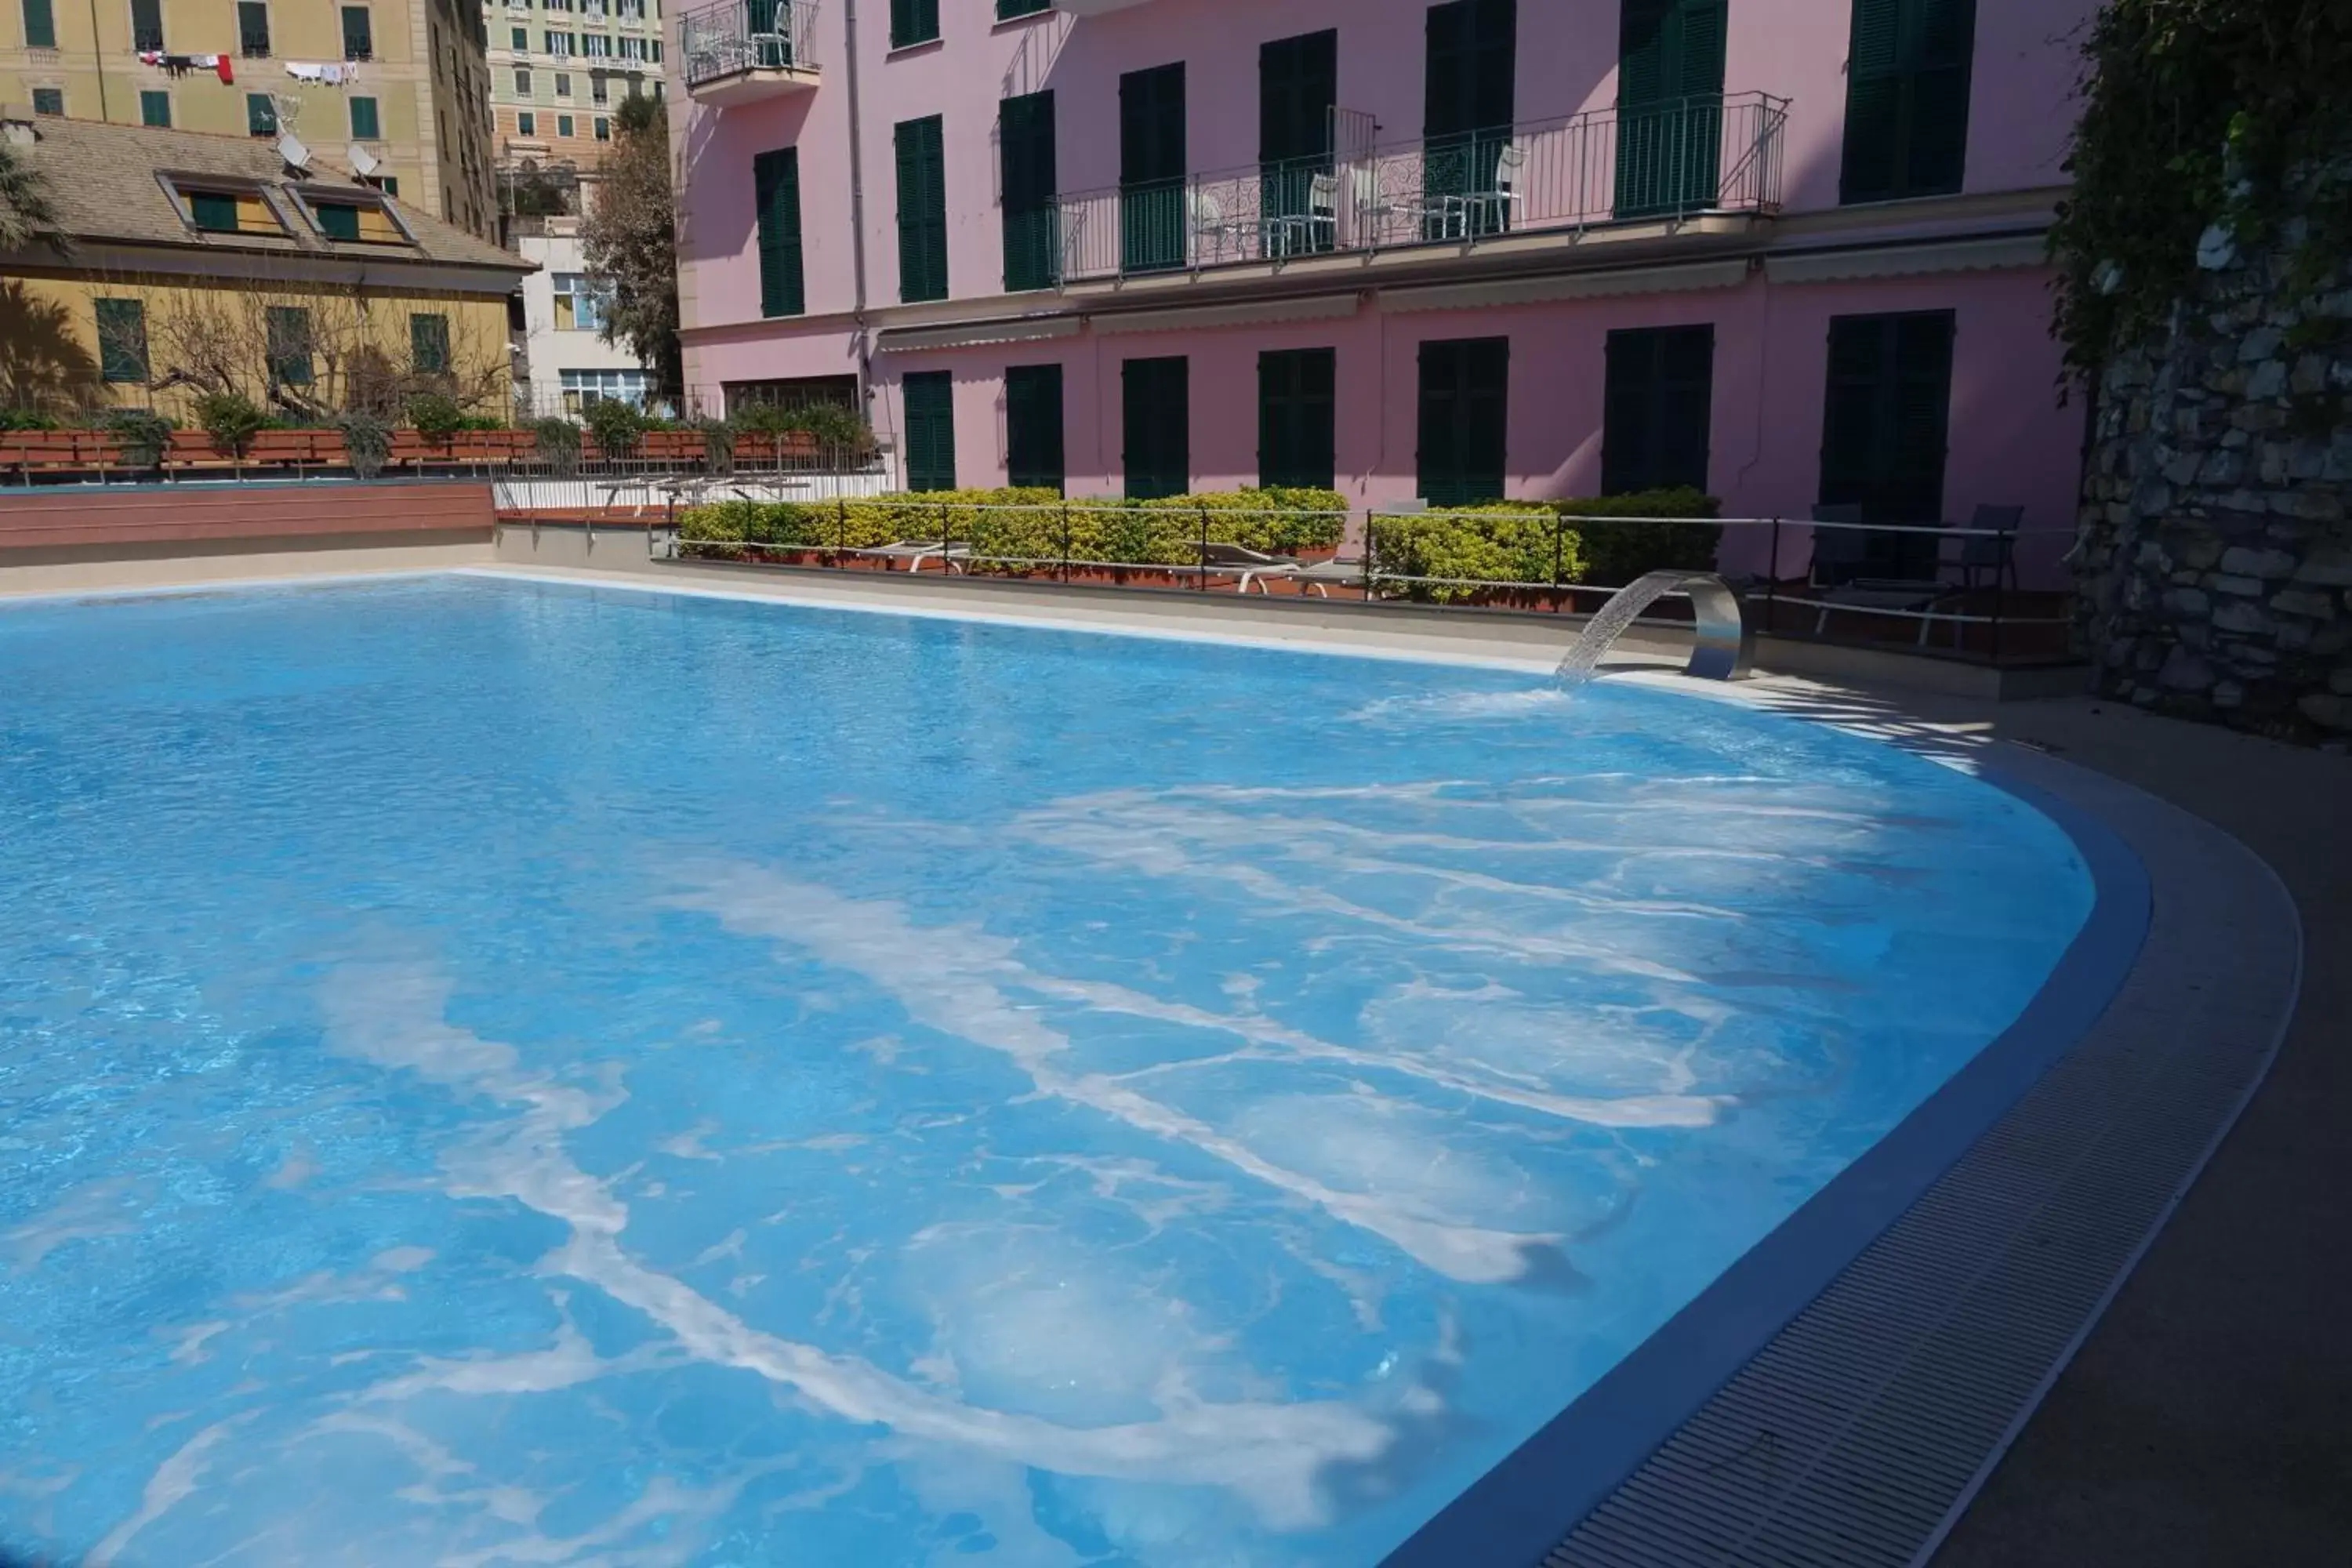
{"x": 16, "y": 126}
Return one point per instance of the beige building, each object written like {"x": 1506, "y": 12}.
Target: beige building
{"x": 404, "y": 81}
{"x": 559, "y": 70}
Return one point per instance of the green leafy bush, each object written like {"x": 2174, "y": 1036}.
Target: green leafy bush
{"x": 231, "y": 419}
{"x": 367, "y": 442}
{"x": 717, "y": 445}
{"x": 1539, "y": 542}
{"x": 559, "y": 445}
{"x": 618, "y": 427}
{"x": 146, "y": 434}
{"x": 435, "y": 415}
{"x": 26, "y": 419}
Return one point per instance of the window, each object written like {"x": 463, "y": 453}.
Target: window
{"x": 1669, "y": 105}
{"x": 633, "y": 10}
{"x": 518, "y": 39}
{"x": 1883, "y": 427}
{"x": 1295, "y": 426}
{"x": 213, "y": 211}
{"x": 633, "y": 49}
{"x": 388, "y": 185}
{"x": 1298, "y": 87}
{"x": 563, "y": 84}
{"x": 156, "y": 109}
{"x": 599, "y": 89}
{"x": 1156, "y": 417}
{"x": 147, "y": 24}
{"x": 123, "y": 340}
{"x": 1464, "y": 405}
{"x": 364, "y": 126}
{"x": 931, "y": 430}
{"x": 1907, "y": 98}
{"x": 583, "y": 387}
{"x": 522, "y": 84}
{"x": 336, "y": 220}
{"x": 1469, "y": 88}
{"x": 776, "y": 197}
{"x": 653, "y": 52}
{"x": 289, "y": 345}
{"x": 1152, "y": 168}
{"x": 560, "y": 45}
{"x": 359, "y": 34}
{"x": 41, "y": 26}
{"x": 260, "y": 114}
{"x": 49, "y": 101}
{"x": 428, "y": 343}
{"x": 1033, "y": 426}
{"x": 577, "y": 307}
{"x": 596, "y": 45}
{"x": 564, "y": 125}
{"x": 1032, "y": 201}
{"x": 603, "y": 128}
{"x": 913, "y": 22}
{"x": 1654, "y": 411}
{"x": 922, "y": 211}
{"x": 253, "y": 30}
{"x": 1008, "y": 10}
{"x": 526, "y": 123}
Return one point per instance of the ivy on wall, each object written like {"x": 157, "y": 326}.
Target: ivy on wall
{"x": 2198, "y": 113}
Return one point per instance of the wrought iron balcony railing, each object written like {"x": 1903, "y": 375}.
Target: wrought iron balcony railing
{"x": 1664, "y": 162}
{"x": 741, "y": 49}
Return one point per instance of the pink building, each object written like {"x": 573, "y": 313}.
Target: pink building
{"x": 1787, "y": 250}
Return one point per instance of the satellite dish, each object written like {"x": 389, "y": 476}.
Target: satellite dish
{"x": 363, "y": 162}
{"x": 297, "y": 156}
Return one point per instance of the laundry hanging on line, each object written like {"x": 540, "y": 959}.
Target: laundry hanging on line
{"x": 337, "y": 73}
{"x": 222, "y": 66}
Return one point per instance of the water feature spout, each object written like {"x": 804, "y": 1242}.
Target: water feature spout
{"x": 1724, "y": 647}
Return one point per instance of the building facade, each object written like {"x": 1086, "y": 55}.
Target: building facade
{"x": 567, "y": 362}
{"x": 1790, "y": 250}
{"x": 559, "y": 69}
{"x": 405, "y": 81}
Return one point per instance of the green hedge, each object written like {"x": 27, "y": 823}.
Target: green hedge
{"x": 1536, "y": 543}
{"x": 1028, "y": 524}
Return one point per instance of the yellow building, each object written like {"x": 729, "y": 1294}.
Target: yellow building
{"x": 198, "y": 263}
{"x": 405, "y": 81}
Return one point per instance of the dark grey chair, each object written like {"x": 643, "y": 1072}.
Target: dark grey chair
{"x": 1992, "y": 553}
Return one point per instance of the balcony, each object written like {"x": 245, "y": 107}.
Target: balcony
{"x": 1606, "y": 169}
{"x": 746, "y": 51}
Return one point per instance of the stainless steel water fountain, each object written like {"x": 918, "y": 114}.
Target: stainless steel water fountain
{"x": 1724, "y": 646}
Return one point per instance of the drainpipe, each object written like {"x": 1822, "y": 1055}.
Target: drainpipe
{"x": 98, "y": 59}
{"x": 857, "y": 208}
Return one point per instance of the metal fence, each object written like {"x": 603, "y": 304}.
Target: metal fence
{"x": 1663, "y": 162}
{"x": 737, "y": 35}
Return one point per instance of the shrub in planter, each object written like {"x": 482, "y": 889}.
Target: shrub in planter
{"x": 232, "y": 420}
{"x": 436, "y": 417}
{"x": 1465, "y": 547}
{"x": 618, "y": 427}
{"x": 367, "y": 443}
{"x": 559, "y": 445}
{"x": 1616, "y": 552}
{"x": 145, "y": 434}
{"x": 26, "y": 419}
{"x": 717, "y": 445}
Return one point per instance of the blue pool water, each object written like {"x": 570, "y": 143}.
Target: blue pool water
{"x": 494, "y": 1073}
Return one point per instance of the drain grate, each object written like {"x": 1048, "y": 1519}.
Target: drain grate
{"x": 1855, "y": 1438}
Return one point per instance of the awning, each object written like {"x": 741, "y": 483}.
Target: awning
{"x": 1909, "y": 261}
{"x": 973, "y": 335}
{"x": 1192, "y": 317}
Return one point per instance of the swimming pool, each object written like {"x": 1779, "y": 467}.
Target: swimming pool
{"x": 498, "y": 1072}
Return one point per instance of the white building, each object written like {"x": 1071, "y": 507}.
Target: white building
{"x": 568, "y": 362}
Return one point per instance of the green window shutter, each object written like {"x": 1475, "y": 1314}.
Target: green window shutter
{"x": 289, "y": 346}
{"x": 260, "y": 114}
{"x": 359, "y": 34}
{"x": 1883, "y": 428}
{"x": 337, "y": 221}
{"x": 1656, "y": 409}
{"x": 1155, "y": 415}
{"x": 1298, "y": 87}
{"x": 1669, "y": 105}
{"x": 1032, "y": 196}
{"x": 1469, "y": 99}
{"x": 212, "y": 211}
{"x": 428, "y": 343}
{"x": 1906, "y": 115}
{"x": 929, "y": 397}
{"x": 123, "y": 340}
{"x": 1152, "y": 169}
{"x": 1464, "y": 412}
{"x": 41, "y": 26}
{"x": 1006, "y": 10}
{"x": 1296, "y": 430}
{"x": 49, "y": 101}
{"x": 776, "y": 196}
{"x": 913, "y": 22}
{"x": 365, "y": 125}
{"x": 1033, "y": 427}
{"x": 922, "y": 210}
{"x": 156, "y": 109}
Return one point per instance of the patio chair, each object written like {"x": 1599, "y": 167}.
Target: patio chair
{"x": 1249, "y": 565}
{"x": 952, "y": 556}
{"x": 1213, "y": 231}
{"x": 1347, "y": 571}
{"x": 1317, "y": 228}
{"x": 1374, "y": 209}
{"x": 1991, "y": 550}
{"x": 1846, "y": 549}
{"x": 1493, "y": 209}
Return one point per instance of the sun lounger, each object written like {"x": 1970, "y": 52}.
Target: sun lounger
{"x": 915, "y": 551}
{"x": 1249, "y": 565}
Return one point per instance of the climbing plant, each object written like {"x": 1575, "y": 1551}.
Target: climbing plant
{"x": 2197, "y": 113}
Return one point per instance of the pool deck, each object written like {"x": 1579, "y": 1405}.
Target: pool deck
{"x": 2206, "y": 1418}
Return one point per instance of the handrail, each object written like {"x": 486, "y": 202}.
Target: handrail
{"x": 1666, "y": 161}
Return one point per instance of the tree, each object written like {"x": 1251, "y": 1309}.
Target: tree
{"x": 629, "y": 237}
{"x": 27, "y": 212}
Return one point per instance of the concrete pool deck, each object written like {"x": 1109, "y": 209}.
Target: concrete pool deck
{"x": 2204, "y": 1419}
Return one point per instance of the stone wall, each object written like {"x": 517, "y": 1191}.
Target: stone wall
{"x": 2214, "y": 559}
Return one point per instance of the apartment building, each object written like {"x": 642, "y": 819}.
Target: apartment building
{"x": 1791, "y": 251}
{"x": 404, "y": 82}
{"x": 559, "y": 69}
